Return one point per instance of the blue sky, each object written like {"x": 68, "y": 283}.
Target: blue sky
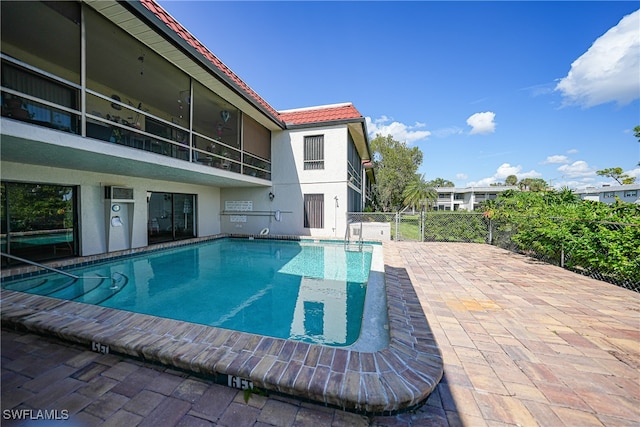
{"x": 485, "y": 89}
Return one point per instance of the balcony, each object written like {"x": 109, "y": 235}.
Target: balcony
{"x": 118, "y": 123}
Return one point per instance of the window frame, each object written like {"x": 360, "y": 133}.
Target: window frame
{"x": 313, "y": 210}
{"x": 313, "y": 152}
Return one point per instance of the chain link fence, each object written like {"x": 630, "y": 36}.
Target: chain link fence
{"x": 606, "y": 251}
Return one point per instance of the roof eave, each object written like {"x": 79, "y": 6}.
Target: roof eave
{"x": 289, "y": 125}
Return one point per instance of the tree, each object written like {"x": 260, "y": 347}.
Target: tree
{"x": 511, "y": 180}
{"x": 441, "y": 182}
{"x": 617, "y": 174}
{"x": 563, "y": 196}
{"x": 419, "y": 193}
{"x": 533, "y": 184}
{"x": 396, "y": 165}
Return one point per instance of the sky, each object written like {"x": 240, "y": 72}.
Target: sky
{"x": 543, "y": 89}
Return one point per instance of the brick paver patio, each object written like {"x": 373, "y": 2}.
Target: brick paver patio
{"x": 524, "y": 343}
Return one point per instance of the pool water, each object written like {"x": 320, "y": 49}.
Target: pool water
{"x": 312, "y": 292}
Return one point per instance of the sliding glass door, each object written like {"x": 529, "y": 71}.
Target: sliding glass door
{"x": 38, "y": 221}
{"x": 171, "y": 217}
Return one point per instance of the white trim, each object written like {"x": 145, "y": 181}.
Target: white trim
{"x": 319, "y": 107}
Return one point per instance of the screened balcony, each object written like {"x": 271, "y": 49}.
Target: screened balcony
{"x": 126, "y": 95}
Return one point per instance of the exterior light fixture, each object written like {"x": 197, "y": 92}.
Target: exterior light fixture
{"x": 114, "y": 105}
{"x": 271, "y": 196}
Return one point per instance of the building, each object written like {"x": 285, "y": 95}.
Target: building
{"x": 611, "y": 193}
{"x": 468, "y": 198}
{"x": 119, "y": 130}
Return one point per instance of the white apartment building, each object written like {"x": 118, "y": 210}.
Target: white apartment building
{"x": 467, "y": 198}
{"x": 119, "y": 129}
{"x": 611, "y": 193}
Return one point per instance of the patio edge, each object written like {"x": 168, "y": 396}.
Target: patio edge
{"x": 396, "y": 378}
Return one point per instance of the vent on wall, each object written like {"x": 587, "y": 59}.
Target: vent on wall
{"x": 118, "y": 193}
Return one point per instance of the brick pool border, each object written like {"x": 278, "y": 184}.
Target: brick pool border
{"x": 395, "y": 378}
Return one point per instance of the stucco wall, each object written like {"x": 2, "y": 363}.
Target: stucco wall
{"x": 289, "y": 184}
{"x": 92, "y": 203}
{"x": 292, "y": 182}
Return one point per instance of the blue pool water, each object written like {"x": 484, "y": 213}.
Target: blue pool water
{"x": 304, "y": 291}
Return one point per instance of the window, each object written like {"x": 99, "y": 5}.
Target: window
{"x": 633, "y": 193}
{"x": 458, "y": 196}
{"x": 314, "y": 211}
{"x": 39, "y": 221}
{"x": 608, "y": 195}
{"x": 37, "y": 86}
{"x": 314, "y": 152}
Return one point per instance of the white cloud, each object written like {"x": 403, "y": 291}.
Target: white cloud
{"x": 572, "y": 151}
{"x": 574, "y": 184}
{"x": 399, "y": 131}
{"x": 445, "y": 132}
{"x": 576, "y": 169}
{"x": 462, "y": 176}
{"x": 539, "y": 89}
{"x": 503, "y": 171}
{"x": 482, "y": 122}
{"x": 608, "y": 70}
{"x": 634, "y": 173}
{"x": 556, "y": 159}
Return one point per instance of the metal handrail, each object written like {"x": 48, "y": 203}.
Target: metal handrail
{"x": 55, "y": 270}
{"x": 347, "y": 235}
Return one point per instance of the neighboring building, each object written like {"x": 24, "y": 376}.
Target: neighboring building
{"x": 609, "y": 194}
{"x": 119, "y": 129}
{"x": 467, "y": 199}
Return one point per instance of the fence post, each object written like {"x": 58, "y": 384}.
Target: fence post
{"x": 422, "y": 226}
{"x": 397, "y": 235}
{"x": 562, "y": 256}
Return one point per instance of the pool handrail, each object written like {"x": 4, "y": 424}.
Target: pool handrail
{"x": 55, "y": 270}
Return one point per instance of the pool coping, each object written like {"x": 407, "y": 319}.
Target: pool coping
{"x": 398, "y": 377}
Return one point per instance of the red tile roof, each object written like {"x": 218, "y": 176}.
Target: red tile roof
{"x": 322, "y": 114}
{"x": 174, "y": 25}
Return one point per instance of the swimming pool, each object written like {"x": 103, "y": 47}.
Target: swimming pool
{"x": 393, "y": 366}
{"x": 305, "y": 291}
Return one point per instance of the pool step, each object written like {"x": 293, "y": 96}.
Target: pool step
{"x": 24, "y": 285}
{"x": 51, "y": 286}
{"x": 81, "y": 286}
{"x": 105, "y": 290}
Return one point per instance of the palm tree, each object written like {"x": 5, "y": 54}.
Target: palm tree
{"x": 418, "y": 193}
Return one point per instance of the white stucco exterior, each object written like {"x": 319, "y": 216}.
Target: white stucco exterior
{"x": 609, "y": 194}
{"x": 290, "y": 182}
{"x": 208, "y": 140}
{"x": 92, "y": 217}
